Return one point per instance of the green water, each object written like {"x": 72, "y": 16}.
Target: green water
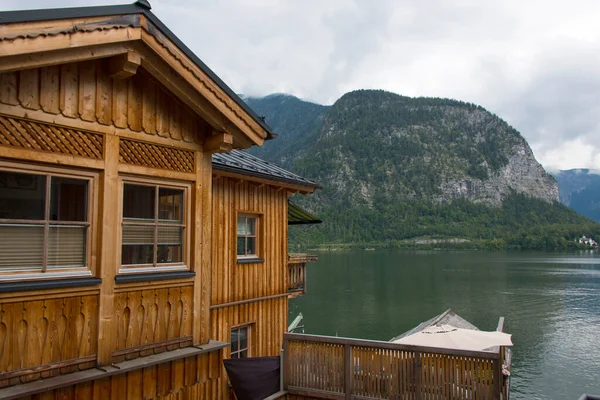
{"x": 551, "y": 303}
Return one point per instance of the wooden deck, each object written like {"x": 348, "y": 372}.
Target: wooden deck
{"x": 323, "y": 367}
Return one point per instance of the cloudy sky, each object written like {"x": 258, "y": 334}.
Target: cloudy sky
{"x": 535, "y": 63}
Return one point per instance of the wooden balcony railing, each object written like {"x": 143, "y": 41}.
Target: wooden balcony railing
{"x": 297, "y": 272}
{"x": 339, "y": 368}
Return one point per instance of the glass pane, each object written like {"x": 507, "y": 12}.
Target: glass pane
{"x": 68, "y": 199}
{"x": 241, "y": 248}
{"x": 66, "y": 246}
{"x": 138, "y": 234}
{"x": 243, "y": 338}
{"x": 168, "y": 254}
{"x": 21, "y": 247}
{"x": 234, "y": 340}
{"x": 138, "y": 202}
{"x": 170, "y": 204}
{"x": 22, "y": 196}
{"x": 169, "y": 244}
{"x": 250, "y": 245}
{"x": 137, "y": 254}
{"x": 241, "y": 226}
{"x": 170, "y": 234}
{"x": 243, "y": 354}
{"x": 251, "y": 226}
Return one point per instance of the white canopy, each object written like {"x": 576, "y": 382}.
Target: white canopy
{"x": 449, "y": 337}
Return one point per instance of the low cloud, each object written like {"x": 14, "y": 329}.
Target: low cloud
{"x": 534, "y": 63}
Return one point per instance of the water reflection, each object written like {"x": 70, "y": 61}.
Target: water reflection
{"x": 551, "y": 304}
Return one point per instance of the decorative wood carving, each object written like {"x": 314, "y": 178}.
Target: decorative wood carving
{"x": 153, "y": 321}
{"x": 27, "y": 134}
{"x": 44, "y": 338}
{"x": 155, "y": 156}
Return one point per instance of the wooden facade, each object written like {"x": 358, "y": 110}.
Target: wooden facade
{"x": 115, "y": 102}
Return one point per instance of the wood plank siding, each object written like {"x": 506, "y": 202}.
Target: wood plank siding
{"x": 85, "y": 91}
{"x": 250, "y": 294}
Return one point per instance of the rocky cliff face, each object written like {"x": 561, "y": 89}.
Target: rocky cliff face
{"x": 375, "y": 144}
{"x": 522, "y": 174}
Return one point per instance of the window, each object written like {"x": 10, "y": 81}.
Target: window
{"x": 240, "y": 342}
{"x": 153, "y": 226}
{"x": 44, "y": 223}
{"x": 246, "y": 236}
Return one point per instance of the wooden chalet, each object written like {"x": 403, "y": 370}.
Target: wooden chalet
{"x": 138, "y": 248}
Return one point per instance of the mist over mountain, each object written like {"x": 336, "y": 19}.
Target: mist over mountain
{"x": 579, "y": 189}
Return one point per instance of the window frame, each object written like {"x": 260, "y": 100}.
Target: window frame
{"x": 184, "y": 265}
{"x": 247, "y": 349}
{"x": 258, "y": 236}
{"x": 46, "y": 273}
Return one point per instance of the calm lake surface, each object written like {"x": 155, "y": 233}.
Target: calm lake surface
{"x": 551, "y": 303}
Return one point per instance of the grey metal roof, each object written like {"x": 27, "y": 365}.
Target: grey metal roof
{"x": 247, "y": 164}
{"x": 299, "y": 216}
{"x": 448, "y": 317}
{"x": 139, "y": 7}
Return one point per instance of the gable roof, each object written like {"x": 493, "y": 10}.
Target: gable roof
{"x": 140, "y": 7}
{"x": 243, "y": 163}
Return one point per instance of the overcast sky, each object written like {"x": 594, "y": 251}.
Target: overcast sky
{"x": 535, "y": 63}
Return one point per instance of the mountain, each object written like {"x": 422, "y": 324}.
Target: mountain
{"x": 401, "y": 171}
{"x": 294, "y": 121}
{"x": 579, "y": 189}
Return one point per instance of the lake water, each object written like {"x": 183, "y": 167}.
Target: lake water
{"x": 551, "y": 303}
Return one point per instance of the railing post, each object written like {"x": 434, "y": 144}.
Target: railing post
{"x": 348, "y": 371}
{"x": 497, "y": 386}
{"x": 285, "y": 359}
{"x": 305, "y": 281}
{"x": 417, "y": 375}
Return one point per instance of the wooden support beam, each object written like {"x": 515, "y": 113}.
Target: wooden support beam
{"x": 218, "y": 143}
{"x": 202, "y": 215}
{"x": 109, "y": 203}
{"x": 257, "y": 185}
{"x": 40, "y": 44}
{"x": 125, "y": 65}
{"x": 65, "y": 56}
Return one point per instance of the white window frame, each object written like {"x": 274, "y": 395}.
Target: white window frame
{"x": 257, "y": 235}
{"x": 162, "y": 267}
{"x": 88, "y": 269}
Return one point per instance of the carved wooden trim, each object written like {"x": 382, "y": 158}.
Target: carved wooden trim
{"x": 151, "y": 348}
{"x": 155, "y": 156}
{"x": 17, "y": 132}
{"x": 152, "y": 321}
{"x": 79, "y": 364}
{"x": 45, "y": 338}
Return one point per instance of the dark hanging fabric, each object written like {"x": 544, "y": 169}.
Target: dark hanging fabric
{"x": 253, "y": 378}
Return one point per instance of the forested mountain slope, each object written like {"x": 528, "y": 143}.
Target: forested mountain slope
{"x": 408, "y": 171}
{"x": 295, "y": 120}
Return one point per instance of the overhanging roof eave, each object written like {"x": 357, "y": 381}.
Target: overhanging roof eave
{"x": 11, "y": 17}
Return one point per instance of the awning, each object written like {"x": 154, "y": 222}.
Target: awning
{"x": 449, "y": 337}
{"x": 297, "y": 215}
